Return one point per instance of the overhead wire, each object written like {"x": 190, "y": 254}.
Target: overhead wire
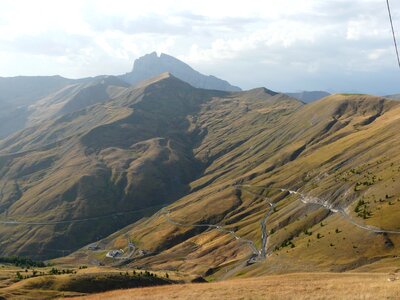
{"x": 393, "y": 32}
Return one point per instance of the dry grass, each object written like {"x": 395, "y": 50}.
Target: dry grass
{"x": 293, "y": 286}
{"x": 326, "y": 149}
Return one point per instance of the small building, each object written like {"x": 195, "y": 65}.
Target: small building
{"x": 114, "y": 253}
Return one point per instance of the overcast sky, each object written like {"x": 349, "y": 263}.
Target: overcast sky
{"x": 285, "y": 45}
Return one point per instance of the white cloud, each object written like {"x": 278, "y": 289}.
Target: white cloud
{"x": 286, "y": 44}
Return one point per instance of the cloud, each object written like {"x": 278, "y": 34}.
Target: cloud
{"x": 53, "y": 44}
{"x": 284, "y": 45}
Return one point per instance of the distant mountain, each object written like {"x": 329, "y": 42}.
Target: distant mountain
{"x": 309, "y": 96}
{"x": 17, "y": 93}
{"x": 28, "y": 100}
{"x": 396, "y": 96}
{"x": 151, "y": 65}
{"x": 23, "y": 90}
{"x": 75, "y": 97}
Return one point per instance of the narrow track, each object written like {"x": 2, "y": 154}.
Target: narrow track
{"x": 257, "y": 254}
{"x": 325, "y": 204}
{"x": 263, "y": 222}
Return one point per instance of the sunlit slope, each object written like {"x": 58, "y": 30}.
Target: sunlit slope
{"x": 342, "y": 151}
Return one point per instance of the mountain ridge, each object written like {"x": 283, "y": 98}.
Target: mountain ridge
{"x": 28, "y": 100}
{"x": 205, "y": 182}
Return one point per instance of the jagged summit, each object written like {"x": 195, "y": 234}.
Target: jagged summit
{"x": 151, "y": 65}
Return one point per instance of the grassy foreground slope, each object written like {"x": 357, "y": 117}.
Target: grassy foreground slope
{"x": 341, "y": 151}
{"x": 293, "y": 286}
{"x": 54, "y": 282}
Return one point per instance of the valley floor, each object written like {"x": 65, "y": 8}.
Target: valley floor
{"x": 292, "y": 286}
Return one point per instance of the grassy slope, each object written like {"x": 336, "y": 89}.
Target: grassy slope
{"x": 293, "y": 286}
{"x": 160, "y": 140}
{"x": 325, "y": 149}
{"x": 83, "y": 281}
{"x": 260, "y": 107}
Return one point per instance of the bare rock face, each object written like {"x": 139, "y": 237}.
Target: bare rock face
{"x": 151, "y": 65}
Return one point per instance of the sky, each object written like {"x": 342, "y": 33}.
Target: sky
{"x": 285, "y": 45}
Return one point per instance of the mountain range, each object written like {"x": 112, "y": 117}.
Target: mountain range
{"x": 204, "y": 181}
{"x": 26, "y": 100}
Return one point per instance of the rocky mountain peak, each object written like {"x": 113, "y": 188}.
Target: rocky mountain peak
{"x": 151, "y": 65}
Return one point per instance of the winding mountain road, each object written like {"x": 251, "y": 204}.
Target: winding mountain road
{"x": 263, "y": 222}
{"x": 342, "y": 211}
{"x": 327, "y": 205}
{"x": 257, "y": 254}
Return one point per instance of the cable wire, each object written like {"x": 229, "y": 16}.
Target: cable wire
{"x": 394, "y": 35}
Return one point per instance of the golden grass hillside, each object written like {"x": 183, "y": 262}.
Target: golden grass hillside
{"x": 293, "y": 286}
{"x": 189, "y": 175}
{"x": 58, "y": 281}
{"x": 341, "y": 150}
